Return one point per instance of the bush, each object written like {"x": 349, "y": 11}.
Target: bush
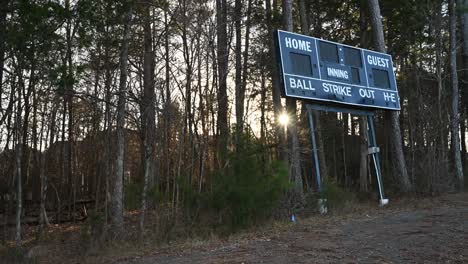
{"x": 133, "y": 195}
{"x": 14, "y": 254}
{"x": 247, "y": 190}
{"x": 336, "y": 197}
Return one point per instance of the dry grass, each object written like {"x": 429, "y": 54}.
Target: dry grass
{"x": 65, "y": 243}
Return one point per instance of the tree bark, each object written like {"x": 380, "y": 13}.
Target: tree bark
{"x": 116, "y": 204}
{"x": 293, "y": 139}
{"x": 107, "y": 127}
{"x": 68, "y": 97}
{"x": 245, "y": 66}
{"x": 263, "y": 91}
{"x": 464, "y": 88}
{"x": 27, "y": 111}
{"x": 18, "y": 156}
{"x": 275, "y": 83}
{"x": 167, "y": 106}
{"x": 188, "y": 120}
{"x": 238, "y": 75}
{"x": 223, "y": 55}
{"x": 305, "y": 18}
{"x": 438, "y": 52}
{"x": 305, "y": 24}
{"x": 363, "y": 164}
{"x": 3, "y": 13}
{"x": 148, "y": 114}
{"x": 42, "y": 160}
{"x": 455, "y": 96}
{"x": 395, "y": 133}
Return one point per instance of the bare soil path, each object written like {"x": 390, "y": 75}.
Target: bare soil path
{"x": 438, "y": 234}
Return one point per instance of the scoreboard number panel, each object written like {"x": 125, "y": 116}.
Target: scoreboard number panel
{"x": 329, "y": 72}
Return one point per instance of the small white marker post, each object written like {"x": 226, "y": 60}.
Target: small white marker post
{"x": 322, "y": 205}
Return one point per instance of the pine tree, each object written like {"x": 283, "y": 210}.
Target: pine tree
{"x": 397, "y": 144}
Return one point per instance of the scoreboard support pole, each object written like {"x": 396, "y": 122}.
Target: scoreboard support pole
{"x": 314, "y": 148}
{"x": 373, "y": 149}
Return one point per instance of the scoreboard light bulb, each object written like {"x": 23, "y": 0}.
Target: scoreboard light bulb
{"x": 284, "y": 119}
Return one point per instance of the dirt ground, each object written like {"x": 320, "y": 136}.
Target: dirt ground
{"x": 433, "y": 231}
{"x": 427, "y": 235}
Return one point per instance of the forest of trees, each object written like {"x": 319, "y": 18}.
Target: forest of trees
{"x": 170, "y": 108}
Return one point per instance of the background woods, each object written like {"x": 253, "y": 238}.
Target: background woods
{"x": 170, "y": 109}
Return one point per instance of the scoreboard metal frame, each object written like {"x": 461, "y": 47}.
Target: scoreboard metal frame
{"x": 327, "y": 72}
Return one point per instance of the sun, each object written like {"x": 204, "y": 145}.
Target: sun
{"x": 284, "y": 119}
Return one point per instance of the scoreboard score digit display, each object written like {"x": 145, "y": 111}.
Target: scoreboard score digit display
{"x": 329, "y": 72}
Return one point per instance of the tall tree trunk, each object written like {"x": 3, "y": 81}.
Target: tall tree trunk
{"x": 238, "y": 75}
{"x": 42, "y": 166}
{"x": 223, "y": 55}
{"x": 148, "y": 114}
{"x": 275, "y": 83}
{"x": 167, "y": 113}
{"x": 70, "y": 156}
{"x": 245, "y": 66}
{"x": 69, "y": 101}
{"x": 188, "y": 120}
{"x": 107, "y": 128}
{"x": 62, "y": 161}
{"x": 438, "y": 50}
{"x": 463, "y": 131}
{"x": 320, "y": 122}
{"x": 202, "y": 90}
{"x": 3, "y": 13}
{"x": 263, "y": 91}
{"x": 10, "y": 132}
{"x": 27, "y": 111}
{"x": 345, "y": 126}
{"x": 94, "y": 176}
{"x": 305, "y": 24}
{"x": 455, "y": 96}
{"x": 18, "y": 155}
{"x": 116, "y": 204}
{"x": 363, "y": 164}
{"x": 293, "y": 139}
{"x": 395, "y": 133}
{"x": 464, "y": 88}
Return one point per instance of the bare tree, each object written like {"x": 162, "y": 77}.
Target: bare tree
{"x": 245, "y": 66}
{"x": 439, "y": 67}
{"x": 148, "y": 112}
{"x": 18, "y": 157}
{"x": 43, "y": 174}
{"x": 464, "y": 88}
{"x": 3, "y": 13}
{"x": 116, "y": 204}
{"x": 455, "y": 122}
{"x": 167, "y": 103}
{"x": 240, "y": 92}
